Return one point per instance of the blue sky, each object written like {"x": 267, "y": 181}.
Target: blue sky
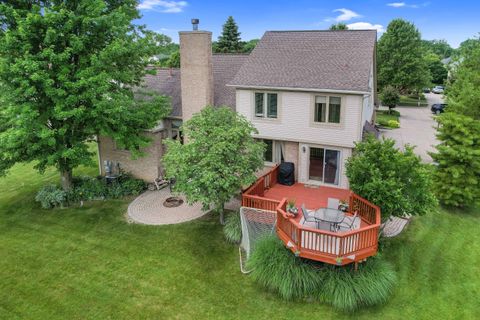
{"x": 453, "y": 21}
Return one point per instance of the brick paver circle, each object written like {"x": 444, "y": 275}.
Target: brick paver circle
{"x": 148, "y": 209}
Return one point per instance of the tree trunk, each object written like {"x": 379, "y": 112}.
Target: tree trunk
{"x": 66, "y": 179}
{"x": 221, "y": 213}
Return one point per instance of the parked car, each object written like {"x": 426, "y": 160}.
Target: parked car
{"x": 438, "y": 108}
{"x": 426, "y": 90}
{"x": 438, "y": 89}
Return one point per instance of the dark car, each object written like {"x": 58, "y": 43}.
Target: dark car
{"x": 438, "y": 108}
{"x": 426, "y": 90}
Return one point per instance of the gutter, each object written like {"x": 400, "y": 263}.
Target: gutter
{"x": 300, "y": 89}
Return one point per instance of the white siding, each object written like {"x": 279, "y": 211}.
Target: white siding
{"x": 295, "y": 123}
{"x": 368, "y": 102}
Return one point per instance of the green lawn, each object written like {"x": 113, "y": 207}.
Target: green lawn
{"x": 382, "y": 117}
{"x": 412, "y": 101}
{"x": 88, "y": 263}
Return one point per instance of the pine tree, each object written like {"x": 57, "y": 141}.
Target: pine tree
{"x": 400, "y": 58}
{"x": 229, "y": 41}
{"x": 68, "y": 70}
{"x": 457, "y": 175}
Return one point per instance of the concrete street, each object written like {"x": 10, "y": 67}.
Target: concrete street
{"x": 417, "y": 127}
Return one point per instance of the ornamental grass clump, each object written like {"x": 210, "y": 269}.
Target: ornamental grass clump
{"x": 233, "y": 228}
{"x": 293, "y": 278}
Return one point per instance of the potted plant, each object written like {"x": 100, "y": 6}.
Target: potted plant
{"x": 339, "y": 260}
{"x": 343, "y": 205}
{"x": 291, "y": 207}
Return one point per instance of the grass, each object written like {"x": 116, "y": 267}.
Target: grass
{"x": 412, "y": 101}
{"x": 88, "y": 263}
{"x": 384, "y": 118}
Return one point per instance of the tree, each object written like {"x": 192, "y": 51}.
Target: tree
{"x": 339, "y": 26}
{"x": 457, "y": 175}
{"x": 400, "y": 58}
{"x": 397, "y": 181}
{"x": 68, "y": 70}
{"x": 219, "y": 158}
{"x": 248, "y": 46}
{"x": 463, "y": 95}
{"x": 174, "y": 60}
{"x": 390, "y": 97}
{"x": 229, "y": 40}
{"x": 437, "y": 69}
{"x": 439, "y": 47}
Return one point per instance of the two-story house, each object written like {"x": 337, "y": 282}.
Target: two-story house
{"x": 309, "y": 94}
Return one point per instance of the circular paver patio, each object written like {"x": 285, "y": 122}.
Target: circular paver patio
{"x": 148, "y": 209}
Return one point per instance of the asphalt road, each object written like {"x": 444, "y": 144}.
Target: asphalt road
{"x": 417, "y": 127}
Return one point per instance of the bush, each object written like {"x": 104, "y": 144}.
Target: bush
{"x": 393, "y": 124}
{"x": 51, "y": 196}
{"x": 233, "y": 228}
{"x": 279, "y": 270}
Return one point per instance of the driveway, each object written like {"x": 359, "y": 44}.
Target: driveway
{"x": 417, "y": 127}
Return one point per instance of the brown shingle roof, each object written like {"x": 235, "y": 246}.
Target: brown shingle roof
{"x": 225, "y": 67}
{"x": 167, "y": 82}
{"x": 338, "y": 60}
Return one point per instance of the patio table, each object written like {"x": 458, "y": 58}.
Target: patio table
{"x": 332, "y": 216}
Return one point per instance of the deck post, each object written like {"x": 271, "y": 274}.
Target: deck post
{"x": 356, "y": 266}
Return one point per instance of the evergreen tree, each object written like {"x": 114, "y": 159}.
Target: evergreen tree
{"x": 339, "y": 26}
{"x": 68, "y": 70}
{"x": 400, "y": 58}
{"x": 457, "y": 175}
{"x": 229, "y": 41}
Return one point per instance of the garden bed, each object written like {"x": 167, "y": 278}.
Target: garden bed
{"x": 388, "y": 119}
{"x": 412, "y": 101}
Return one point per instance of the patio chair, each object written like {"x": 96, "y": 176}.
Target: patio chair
{"x": 333, "y": 203}
{"x": 348, "y": 223}
{"x": 307, "y": 217}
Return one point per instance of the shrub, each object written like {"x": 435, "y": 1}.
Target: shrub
{"x": 277, "y": 269}
{"x": 233, "y": 228}
{"x": 390, "y": 97}
{"x": 393, "y": 124}
{"x": 395, "y": 180}
{"x": 88, "y": 188}
{"x": 51, "y": 196}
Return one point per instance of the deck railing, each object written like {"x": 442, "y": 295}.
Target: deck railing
{"x": 321, "y": 245}
{"x": 253, "y": 197}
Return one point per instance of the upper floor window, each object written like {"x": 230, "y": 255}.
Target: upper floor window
{"x": 266, "y": 105}
{"x": 327, "y": 109}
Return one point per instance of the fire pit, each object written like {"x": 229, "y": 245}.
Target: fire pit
{"x": 172, "y": 202}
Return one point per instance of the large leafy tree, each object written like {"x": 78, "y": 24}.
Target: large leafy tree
{"x": 229, "y": 41}
{"x": 397, "y": 181}
{"x": 339, "y": 26}
{"x": 400, "y": 58}
{"x": 68, "y": 70}
{"x": 219, "y": 158}
{"x": 389, "y": 97}
{"x": 439, "y": 47}
{"x": 457, "y": 175}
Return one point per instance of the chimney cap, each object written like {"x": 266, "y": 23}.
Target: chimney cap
{"x": 195, "y": 23}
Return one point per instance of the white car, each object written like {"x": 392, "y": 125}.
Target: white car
{"x": 438, "y": 89}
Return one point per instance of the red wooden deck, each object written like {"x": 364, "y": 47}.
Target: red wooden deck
{"x": 330, "y": 247}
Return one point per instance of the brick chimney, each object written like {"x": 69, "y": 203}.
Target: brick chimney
{"x": 195, "y": 70}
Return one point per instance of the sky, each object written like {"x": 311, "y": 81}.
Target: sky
{"x": 454, "y": 21}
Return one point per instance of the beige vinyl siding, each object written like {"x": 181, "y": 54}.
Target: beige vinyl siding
{"x": 295, "y": 120}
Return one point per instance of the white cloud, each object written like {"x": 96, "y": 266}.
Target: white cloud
{"x": 396, "y": 4}
{"x": 345, "y": 15}
{"x": 366, "y": 26}
{"x": 163, "y": 6}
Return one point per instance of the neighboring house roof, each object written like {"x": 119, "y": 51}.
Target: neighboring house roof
{"x": 225, "y": 67}
{"x": 167, "y": 82}
{"x": 336, "y": 60}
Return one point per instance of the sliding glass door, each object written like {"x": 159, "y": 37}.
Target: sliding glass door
{"x": 324, "y": 165}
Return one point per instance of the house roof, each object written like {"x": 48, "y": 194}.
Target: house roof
{"x": 225, "y": 66}
{"x": 336, "y": 60}
{"x": 167, "y": 82}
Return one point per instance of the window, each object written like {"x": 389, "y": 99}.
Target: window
{"x": 324, "y": 165}
{"x": 175, "y": 133}
{"x": 268, "y": 155}
{"x": 274, "y": 151}
{"x": 330, "y": 114}
{"x": 266, "y": 105}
